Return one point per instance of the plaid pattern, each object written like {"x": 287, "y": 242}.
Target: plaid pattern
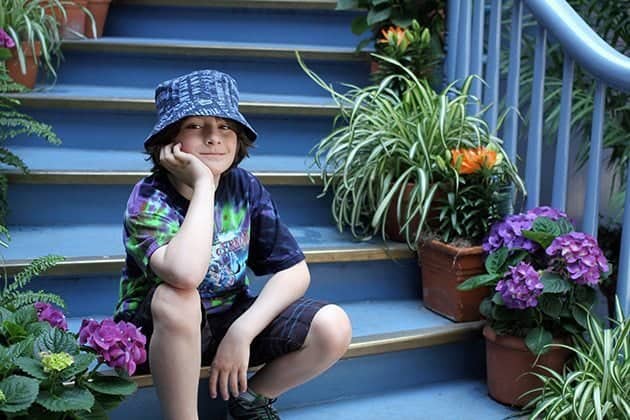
{"x": 202, "y": 92}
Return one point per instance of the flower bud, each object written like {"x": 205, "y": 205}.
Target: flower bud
{"x": 56, "y": 362}
{"x": 3, "y": 397}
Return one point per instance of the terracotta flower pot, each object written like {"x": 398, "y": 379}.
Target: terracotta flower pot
{"x": 507, "y": 362}
{"x": 392, "y": 224}
{"x": 99, "y": 9}
{"x": 29, "y": 78}
{"x": 443, "y": 268}
{"x": 74, "y": 23}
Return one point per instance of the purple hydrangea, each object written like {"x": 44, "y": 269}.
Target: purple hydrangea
{"x": 5, "y": 40}
{"x": 48, "y": 313}
{"x": 521, "y": 287}
{"x": 508, "y": 232}
{"x": 582, "y": 257}
{"x": 121, "y": 344}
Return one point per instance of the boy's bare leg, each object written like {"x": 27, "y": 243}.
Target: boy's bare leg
{"x": 172, "y": 356}
{"x": 327, "y": 340}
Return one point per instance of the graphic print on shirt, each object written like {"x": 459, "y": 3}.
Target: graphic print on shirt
{"x": 229, "y": 248}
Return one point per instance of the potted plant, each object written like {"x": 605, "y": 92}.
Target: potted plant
{"x": 49, "y": 372}
{"x": 410, "y": 47}
{"x": 543, "y": 276}
{"x": 595, "y": 385}
{"x": 98, "y": 10}
{"x": 74, "y": 17}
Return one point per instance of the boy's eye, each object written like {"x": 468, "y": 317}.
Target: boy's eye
{"x": 225, "y": 127}
{"x": 193, "y": 126}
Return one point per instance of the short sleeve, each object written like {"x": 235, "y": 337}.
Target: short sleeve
{"x": 272, "y": 247}
{"x": 150, "y": 223}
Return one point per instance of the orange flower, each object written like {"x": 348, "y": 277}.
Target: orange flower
{"x": 473, "y": 160}
{"x": 393, "y": 32}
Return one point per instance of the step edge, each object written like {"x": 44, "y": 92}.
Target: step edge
{"x": 293, "y": 178}
{"x": 182, "y": 48}
{"x": 113, "y": 264}
{"x": 381, "y": 343}
{"x": 245, "y": 4}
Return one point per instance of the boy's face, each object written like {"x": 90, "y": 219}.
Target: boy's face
{"x": 211, "y": 139}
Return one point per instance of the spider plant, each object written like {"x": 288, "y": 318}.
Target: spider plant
{"x": 383, "y": 142}
{"x": 596, "y": 386}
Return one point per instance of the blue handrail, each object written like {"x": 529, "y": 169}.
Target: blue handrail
{"x": 582, "y": 47}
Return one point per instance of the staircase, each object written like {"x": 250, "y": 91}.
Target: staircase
{"x": 404, "y": 362}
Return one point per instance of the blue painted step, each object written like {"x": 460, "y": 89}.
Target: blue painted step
{"x": 323, "y": 27}
{"x": 461, "y": 399}
{"x": 148, "y": 68}
{"x": 105, "y": 204}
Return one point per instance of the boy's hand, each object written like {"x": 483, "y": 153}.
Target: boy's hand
{"x": 185, "y": 166}
{"x": 228, "y": 372}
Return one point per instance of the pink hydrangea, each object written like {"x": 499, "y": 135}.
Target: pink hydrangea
{"x": 583, "y": 259}
{"x": 48, "y": 313}
{"x": 121, "y": 344}
{"x": 5, "y": 40}
{"x": 521, "y": 287}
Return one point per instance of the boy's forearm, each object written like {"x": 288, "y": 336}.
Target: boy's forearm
{"x": 187, "y": 256}
{"x": 282, "y": 289}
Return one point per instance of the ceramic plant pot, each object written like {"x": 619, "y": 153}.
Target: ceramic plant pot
{"x": 29, "y": 78}
{"x": 99, "y": 9}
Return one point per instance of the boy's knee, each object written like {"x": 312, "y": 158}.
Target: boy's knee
{"x": 331, "y": 330}
{"x": 176, "y": 308}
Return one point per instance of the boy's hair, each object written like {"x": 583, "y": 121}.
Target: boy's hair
{"x": 168, "y": 134}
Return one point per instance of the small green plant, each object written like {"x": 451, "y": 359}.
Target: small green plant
{"x": 384, "y": 141}
{"x": 597, "y": 384}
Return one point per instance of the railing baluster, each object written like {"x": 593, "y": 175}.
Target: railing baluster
{"x": 476, "y": 65}
{"x": 591, "y": 208}
{"x": 623, "y": 276}
{"x": 463, "y": 40}
{"x": 534, "y": 136}
{"x": 510, "y": 132}
{"x": 561, "y": 166}
{"x": 491, "y": 96}
{"x": 452, "y": 46}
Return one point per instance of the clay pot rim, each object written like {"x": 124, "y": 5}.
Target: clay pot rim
{"x": 513, "y": 342}
{"x": 451, "y": 249}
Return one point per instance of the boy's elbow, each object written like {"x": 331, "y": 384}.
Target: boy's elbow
{"x": 184, "y": 278}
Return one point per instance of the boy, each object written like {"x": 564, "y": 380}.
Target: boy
{"x": 190, "y": 230}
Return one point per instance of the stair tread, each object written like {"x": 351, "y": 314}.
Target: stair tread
{"x": 285, "y": 4}
{"x": 144, "y": 95}
{"x": 104, "y": 241}
{"x": 186, "y": 46}
{"x": 369, "y": 318}
{"x": 456, "y": 399}
{"x": 92, "y": 160}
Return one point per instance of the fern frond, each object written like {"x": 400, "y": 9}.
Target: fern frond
{"x": 35, "y": 268}
{"x": 20, "y": 299}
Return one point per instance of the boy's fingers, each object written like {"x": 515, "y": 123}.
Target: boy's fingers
{"x": 242, "y": 379}
{"x": 212, "y": 382}
{"x": 223, "y": 385}
{"x": 234, "y": 377}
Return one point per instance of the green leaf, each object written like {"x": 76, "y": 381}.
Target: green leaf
{"x": 56, "y": 341}
{"x": 82, "y": 362}
{"x": 537, "y": 339}
{"x": 485, "y": 308}
{"x": 97, "y": 412}
{"x": 377, "y": 16}
{"x": 32, "y": 367}
{"x": 68, "y": 399}
{"x": 359, "y": 25}
{"x": 554, "y": 283}
{"x": 20, "y": 392}
{"x": 5, "y": 314}
{"x": 497, "y": 299}
{"x": 478, "y": 281}
{"x": 108, "y": 402}
{"x": 5, "y": 54}
{"x": 346, "y": 4}
{"x": 112, "y": 385}
{"x": 550, "y": 306}
{"x": 38, "y": 328}
{"x": 546, "y": 225}
{"x": 542, "y": 238}
{"x": 14, "y": 331}
{"x": 585, "y": 295}
{"x": 25, "y": 316}
{"x": 496, "y": 260}
{"x": 579, "y": 315}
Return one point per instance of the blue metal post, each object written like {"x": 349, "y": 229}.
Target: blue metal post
{"x": 534, "y": 136}
{"x": 452, "y": 31}
{"x": 591, "y": 208}
{"x": 510, "y": 131}
{"x": 623, "y": 276}
{"x": 463, "y": 40}
{"x": 491, "y": 96}
{"x": 476, "y": 64}
{"x": 561, "y": 167}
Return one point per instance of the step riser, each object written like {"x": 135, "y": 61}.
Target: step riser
{"x": 233, "y": 25}
{"x": 108, "y": 130}
{"x": 264, "y": 76}
{"x": 331, "y": 282}
{"x": 40, "y": 205}
{"x": 348, "y": 378}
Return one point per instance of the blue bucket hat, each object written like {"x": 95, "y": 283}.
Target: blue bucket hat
{"x": 202, "y": 92}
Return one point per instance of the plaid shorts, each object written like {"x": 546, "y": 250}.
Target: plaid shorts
{"x": 285, "y": 334}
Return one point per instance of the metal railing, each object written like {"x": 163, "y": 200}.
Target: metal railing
{"x": 581, "y": 46}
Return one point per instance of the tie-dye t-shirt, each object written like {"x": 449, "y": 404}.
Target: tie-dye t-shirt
{"x": 247, "y": 232}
